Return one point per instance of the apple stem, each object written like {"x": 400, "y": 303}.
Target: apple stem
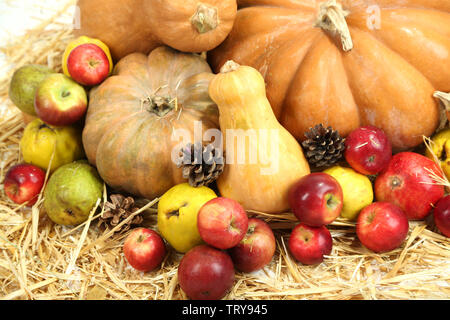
{"x": 250, "y": 230}
{"x": 12, "y": 188}
{"x": 395, "y": 182}
{"x": 331, "y": 201}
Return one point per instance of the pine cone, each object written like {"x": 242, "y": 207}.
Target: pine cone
{"x": 201, "y": 165}
{"x": 119, "y": 209}
{"x": 323, "y": 146}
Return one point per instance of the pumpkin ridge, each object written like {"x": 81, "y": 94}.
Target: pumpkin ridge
{"x": 438, "y": 77}
{"x": 193, "y": 63}
{"x": 276, "y": 4}
{"x": 145, "y": 177}
{"x": 386, "y": 119}
{"x": 113, "y": 168}
{"x": 387, "y": 47}
{"x": 320, "y": 103}
{"x": 297, "y": 68}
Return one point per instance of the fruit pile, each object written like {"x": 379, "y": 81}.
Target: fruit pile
{"x": 99, "y": 129}
{"x": 56, "y": 104}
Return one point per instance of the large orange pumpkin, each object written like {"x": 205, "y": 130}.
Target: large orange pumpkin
{"x": 347, "y": 63}
{"x": 128, "y": 26}
{"x": 133, "y": 115}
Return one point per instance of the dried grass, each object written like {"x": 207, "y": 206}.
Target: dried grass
{"x": 41, "y": 260}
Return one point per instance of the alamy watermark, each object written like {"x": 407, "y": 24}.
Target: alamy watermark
{"x": 243, "y": 147}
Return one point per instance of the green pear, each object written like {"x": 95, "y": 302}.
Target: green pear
{"x": 72, "y": 192}
{"x": 24, "y": 84}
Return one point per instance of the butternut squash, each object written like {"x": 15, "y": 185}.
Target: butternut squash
{"x": 263, "y": 160}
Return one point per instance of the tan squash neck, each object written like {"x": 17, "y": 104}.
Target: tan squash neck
{"x": 205, "y": 18}
{"x": 331, "y": 18}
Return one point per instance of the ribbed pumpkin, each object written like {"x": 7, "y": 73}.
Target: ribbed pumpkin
{"x": 347, "y": 63}
{"x": 128, "y": 26}
{"x": 133, "y": 115}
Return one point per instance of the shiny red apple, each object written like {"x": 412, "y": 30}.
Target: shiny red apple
{"x": 382, "y": 227}
{"x": 441, "y": 215}
{"x": 222, "y": 222}
{"x": 309, "y": 244}
{"x": 23, "y": 183}
{"x": 407, "y": 182}
{"x": 368, "y": 150}
{"x": 257, "y": 248}
{"x": 60, "y": 101}
{"x": 88, "y": 64}
{"x": 144, "y": 249}
{"x": 206, "y": 273}
{"x": 316, "y": 199}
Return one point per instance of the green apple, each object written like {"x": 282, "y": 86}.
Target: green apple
{"x": 60, "y": 101}
{"x": 24, "y": 84}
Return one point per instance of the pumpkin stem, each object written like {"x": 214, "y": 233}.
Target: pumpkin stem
{"x": 160, "y": 105}
{"x": 205, "y": 18}
{"x": 229, "y": 66}
{"x": 445, "y": 110}
{"x": 332, "y": 18}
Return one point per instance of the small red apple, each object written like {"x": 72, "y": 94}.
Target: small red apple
{"x": 206, "y": 273}
{"x": 88, "y": 64}
{"x": 407, "y": 183}
{"x": 382, "y": 227}
{"x": 60, "y": 101}
{"x": 368, "y": 150}
{"x": 442, "y": 215}
{"x": 316, "y": 199}
{"x": 309, "y": 244}
{"x": 257, "y": 248}
{"x": 222, "y": 223}
{"x": 23, "y": 183}
{"x": 144, "y": 249}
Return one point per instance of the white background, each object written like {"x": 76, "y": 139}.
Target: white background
{"x": 17, "y": 16}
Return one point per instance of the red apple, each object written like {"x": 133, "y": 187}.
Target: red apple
{"x": 144, "y": 249}
{"x": 60, "y": 101}
{"x": 309, "y": 244}
{"x": 368, "y": 150}
{"x": 222, "y": 223}
{"x": 23, "y": 183}
{"x": 88, "y": 64}
{"x": 316, "y": 199}
{"x": 407, "y": 183}
{"x": 206, "y": 273}
{"x": 441, "y": 215}
{"x": 382, "y": 227}
{"x": 256, "y": 249}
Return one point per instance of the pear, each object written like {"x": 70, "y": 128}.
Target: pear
{"x": 24, "y": 84}
{"x": 72, "y": 192}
